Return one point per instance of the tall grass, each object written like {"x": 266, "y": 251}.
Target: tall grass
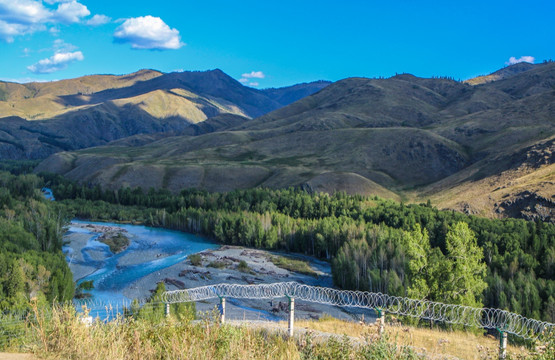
{"x": 143, "y": 334}
{"x": 63, "y": 334}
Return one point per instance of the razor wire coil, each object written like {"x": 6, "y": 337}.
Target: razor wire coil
{"x": 486, "y": 318}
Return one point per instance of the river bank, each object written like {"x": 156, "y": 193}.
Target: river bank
{"x": 134, "y": 272}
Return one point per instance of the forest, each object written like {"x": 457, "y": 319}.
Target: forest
{"x": 32, "y": 265}
{"x": 373, "y": 244}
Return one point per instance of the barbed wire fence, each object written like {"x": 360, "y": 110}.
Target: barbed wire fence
{"x": 485, "y": 318}
{"x": 12, "y": 323}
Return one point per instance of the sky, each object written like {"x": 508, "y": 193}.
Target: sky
{"x": 267, "y": 43}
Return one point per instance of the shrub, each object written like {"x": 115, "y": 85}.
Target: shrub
{"x": 243, "y": 266}
{"x": 217, "y": 264}
{"x": 195, "y": 259}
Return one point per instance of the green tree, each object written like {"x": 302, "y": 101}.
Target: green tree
{"x": 418, "y": 252}
{"x": 464, "y": 269}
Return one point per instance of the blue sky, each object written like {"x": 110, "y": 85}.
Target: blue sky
{"x": 273, "y": 43}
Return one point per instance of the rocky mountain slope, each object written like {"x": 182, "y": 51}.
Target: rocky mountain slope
{"x": 38, "y": 119}
{"x": 485, "y": 149}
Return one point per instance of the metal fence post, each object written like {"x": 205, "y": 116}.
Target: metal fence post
{"x": 502, "y": 344}
{"x": 167, "y": 310}
{"x": 381, "y": 319}
{"x": 222, "y": 309}
{"x": 291, "y": 315}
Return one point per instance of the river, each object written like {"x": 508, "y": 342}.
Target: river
{"x": 156, "y": 254}
{"x": 149, "y": 251}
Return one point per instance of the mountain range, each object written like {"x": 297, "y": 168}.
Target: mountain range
{"x": 483, "y": 146}
{"x": 39, "y": 119}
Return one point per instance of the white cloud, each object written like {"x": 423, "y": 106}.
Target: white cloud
{"x": 148, "y": 32}
{"x": 51, "y": 2}
{"x": 513, "y": 60}
{"x": 56, "y": 62}
{"x": 254, "y": 75}
{"x": 254, "y": 83}
{"x": 9, "y": 30}
{"x": 61, "y": 46}
{"x": 71, "y": 12}
{"x": 21, "y": 17}
{"x": 243, "y": 80}
{"x": 98, "y": 20}
{"x": 23, "y": 12}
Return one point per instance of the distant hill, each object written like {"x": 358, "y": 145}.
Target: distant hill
{"x": 290, "y": 94}
{"x": 38, "y": 119}
{"x": 502, "y": 73}
{"x": 483, "y": 149}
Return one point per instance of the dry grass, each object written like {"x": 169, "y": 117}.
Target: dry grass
{"x": 65, "y": 336}
{"x": 150, "y": 335}
{"x": 433, "y": 343}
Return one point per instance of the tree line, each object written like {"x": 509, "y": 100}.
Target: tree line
{"x": 374, "y": 244}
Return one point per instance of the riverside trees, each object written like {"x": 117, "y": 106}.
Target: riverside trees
{"x": 31, "y": 262}
{"x": 374, "y": 244}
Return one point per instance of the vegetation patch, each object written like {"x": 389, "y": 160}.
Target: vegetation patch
{"x": 18, "y": 167}
{"x": 244, "y": 267}
{"x": 298, "y": 266}
{"x": 86, "y": 285}
{"x": 116, "y": 241}
{"x": 80, "y": 291}
{"x": 217, "y": 264}
{"x": 195, "y": 259}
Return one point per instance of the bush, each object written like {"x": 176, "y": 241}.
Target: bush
{"x": 86, "y": 285}
{"x": 243, "y": 266}
{"x": 195, "y": 259}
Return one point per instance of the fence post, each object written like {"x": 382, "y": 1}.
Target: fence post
{"x": 167, "y": 310}
{"x": 291, "y": 315}
{"x": 381, "y": 318}
{"x": 222, "y": 309}
{"x": 502, "y": 344}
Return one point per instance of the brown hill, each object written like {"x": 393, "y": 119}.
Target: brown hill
{"x": 38, "y": 119}
{"x": 483, "y": 149}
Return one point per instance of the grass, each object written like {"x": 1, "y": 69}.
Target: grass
{"x": 434, "y": 343}
{"x": 60, "y": 333}
{"x": 298, "y": 266}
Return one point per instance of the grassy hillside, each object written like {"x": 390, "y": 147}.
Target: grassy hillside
{"x": 39, "y": 119}
{"x": 402, "y": 137}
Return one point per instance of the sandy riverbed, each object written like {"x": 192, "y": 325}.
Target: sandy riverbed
{"x": 186, "y": 275}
